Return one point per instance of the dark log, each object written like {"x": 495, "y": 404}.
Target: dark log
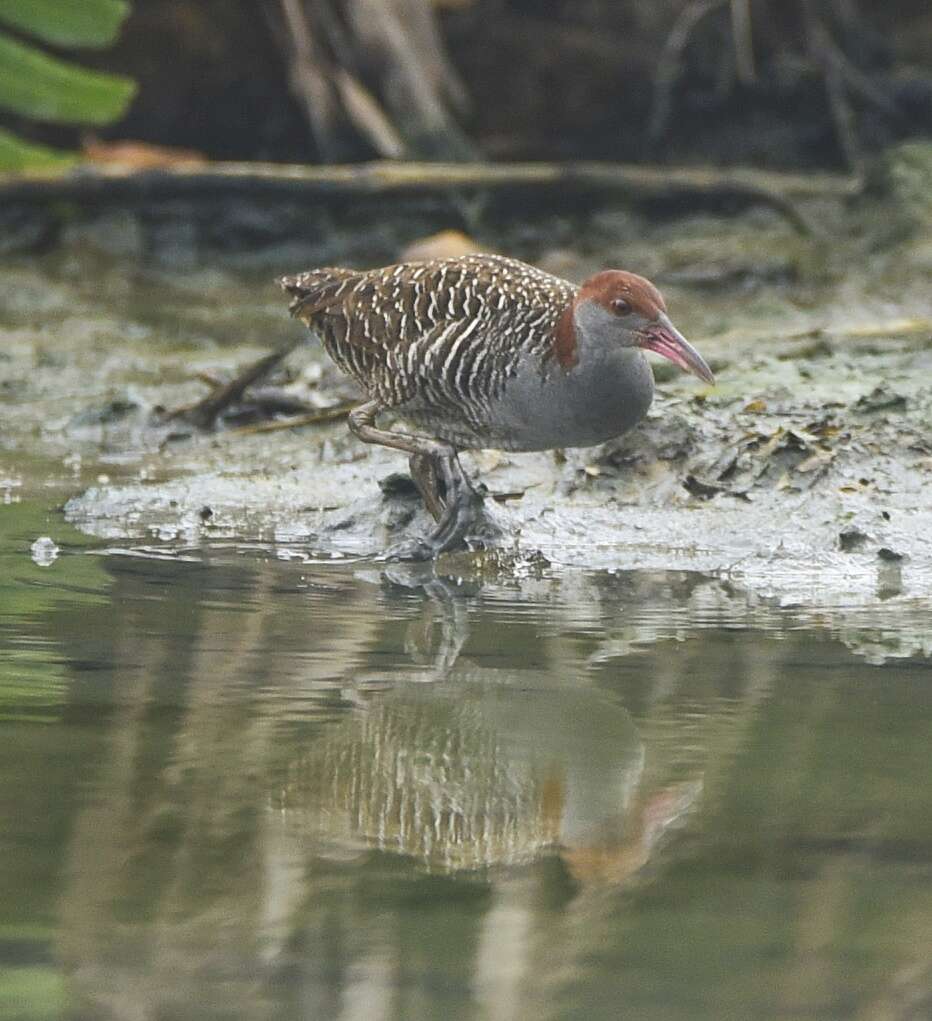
{"x": 562, "y": 181}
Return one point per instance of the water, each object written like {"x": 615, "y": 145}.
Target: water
{"x": 235, "y": 785}
{"x": 238, "y": 783}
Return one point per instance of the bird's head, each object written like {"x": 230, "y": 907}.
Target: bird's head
{"x": 615, "y": 308}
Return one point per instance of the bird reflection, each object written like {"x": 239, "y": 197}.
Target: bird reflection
{"x": 449, "y": 598}
{"x": 485, "y": 767}
{"x": 284, "y": 752}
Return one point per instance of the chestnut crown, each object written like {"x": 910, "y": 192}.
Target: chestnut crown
{"x": 623, "y": 294}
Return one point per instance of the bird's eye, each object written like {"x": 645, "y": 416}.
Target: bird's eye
{"x": 621, "y": 307}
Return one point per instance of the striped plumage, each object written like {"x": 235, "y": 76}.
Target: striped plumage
{"x": 484, "y": 351}
{"x": 437, "y": 339}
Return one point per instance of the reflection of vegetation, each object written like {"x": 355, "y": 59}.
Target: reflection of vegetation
{"x": 31, "y": 676}
{"x": 27, "y": 589}
{"x": 28, "y": 994}
{"x": 39, "y": 87}
{"x": 147, "y": 832}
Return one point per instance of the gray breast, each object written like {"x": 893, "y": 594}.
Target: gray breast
{"x": 580, "y": 407}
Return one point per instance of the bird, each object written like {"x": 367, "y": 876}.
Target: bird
{"x": 484, "y": 351}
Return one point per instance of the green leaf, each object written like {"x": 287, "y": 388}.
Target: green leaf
{"x": 35, "y": 85}
{"x": 17, "y": 154}
{"x": 90, "y": 23}
{"x": 32, "y": 993}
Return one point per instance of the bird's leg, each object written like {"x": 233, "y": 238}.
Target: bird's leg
{"x": 424, "y": 473}
{"x": 462, "y": 502}
{"x": 463, "y": 507}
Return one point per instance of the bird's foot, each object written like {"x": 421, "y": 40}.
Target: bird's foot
{"x": 410, "y": 549}
{"x": 459, "y": 518}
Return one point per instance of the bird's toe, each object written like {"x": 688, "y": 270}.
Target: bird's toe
{"x": 409, "y": 549}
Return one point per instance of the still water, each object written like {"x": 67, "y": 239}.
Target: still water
{"x": 235, "y": 783}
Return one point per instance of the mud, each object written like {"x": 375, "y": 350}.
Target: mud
{"x": 804, "y": 475}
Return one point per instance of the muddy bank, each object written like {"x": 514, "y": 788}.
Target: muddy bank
{"x": 804, "y": 499}
{"x": 805, "y": 473}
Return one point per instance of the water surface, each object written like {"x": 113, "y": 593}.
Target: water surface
{"x": 237, "y": 783}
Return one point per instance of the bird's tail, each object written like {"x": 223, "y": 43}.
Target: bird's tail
{"x": 317, "y": 290}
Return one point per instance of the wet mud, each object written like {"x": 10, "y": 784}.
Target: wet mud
{"x": 804, "y": 474}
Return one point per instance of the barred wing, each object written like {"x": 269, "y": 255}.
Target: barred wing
{"x": 441, "y": 333}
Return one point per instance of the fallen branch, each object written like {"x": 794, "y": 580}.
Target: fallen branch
{"x": 204, "y": 413}
{"x": 115, "y": 185}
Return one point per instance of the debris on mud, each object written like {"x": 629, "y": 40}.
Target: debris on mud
{"x": 242, "y": 402}
{"x": 818, "y": 432}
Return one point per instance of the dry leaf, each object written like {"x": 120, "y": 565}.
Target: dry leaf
{"x": 819, "y": 459}
{"x": 488, "y": 460}
{"x": 444, "y": 245}
{"x": 140, "y": 155}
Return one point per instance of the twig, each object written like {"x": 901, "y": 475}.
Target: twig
{"x": 380, "y": 68}
{"x": 846, "y": 13}
{"x": 273, "y": 400}
{"x": 329, "y": 24}
{"x": 400, "y": 45}
{"x": 842, "y": 115}
{"x": 841, "y": 76}
{"x": 204, "y": 413}
{"x": 310, "y": 76}
{"x": 889, "y": 329}
{"x": 744, "y": 41}
{"x": 670, "y": 63}
{"x": 214, "y": 382}
{"x": 360, "y": 105}
{"x": 364, "y": 111}
{"x": 312, "y": 418}
{"x": 430, "y": 47}
{"x": 857, "y": 80}
{"x": 892, "y": 328}
{"x": 820, "y": 48}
